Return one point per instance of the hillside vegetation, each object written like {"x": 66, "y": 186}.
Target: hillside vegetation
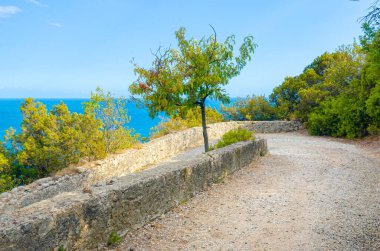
{"x": 338, "y": 94}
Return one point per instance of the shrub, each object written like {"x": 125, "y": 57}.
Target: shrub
{"x": 373, "y": 130}
{"x": 343, "y": 116}
{"x": 6, "y": 180}
{"x": 234, "y": 136}
{"x": 113, "y": 114}
{"x": 52, "y": 140}
{"x": 322, "y": 123}
{"x": 373, "y": 105}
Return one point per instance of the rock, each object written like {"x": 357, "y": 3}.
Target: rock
{"x": 44, "y": 185}
{"x": 101, "y": 183}
{"x": 4, "y": 195}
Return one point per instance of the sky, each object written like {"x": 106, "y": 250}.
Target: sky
{"x": 65, "y": 49}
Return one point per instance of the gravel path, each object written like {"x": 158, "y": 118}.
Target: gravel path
{"x": 308, "y": 193}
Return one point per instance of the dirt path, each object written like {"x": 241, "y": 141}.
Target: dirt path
{"x": 308, "y": 193}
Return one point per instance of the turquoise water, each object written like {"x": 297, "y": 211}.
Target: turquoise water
{"x": 10, "y": 115}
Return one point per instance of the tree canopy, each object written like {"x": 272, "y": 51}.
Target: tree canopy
{"x": 183, "y": 78}
{"x": 338, "y": 94}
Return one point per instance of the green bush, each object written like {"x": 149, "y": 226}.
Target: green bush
{"x": 52, "y": 140}
{"x": 234, "y": 136}
{"x": 7, "y": 181}
{"x": 373, "y": 105}
{"x": 343, "y": 116}
{"x": 114, "y": 119}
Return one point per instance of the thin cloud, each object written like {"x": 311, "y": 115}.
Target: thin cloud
{"x": 58, "y": 25}
{"x": 35, "y": 2}
{"x": 7, "y": 11}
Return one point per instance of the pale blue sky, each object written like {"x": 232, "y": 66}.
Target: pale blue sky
{"x": 64, "y": 49}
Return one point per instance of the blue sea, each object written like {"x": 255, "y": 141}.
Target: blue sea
{"x": 10, "y": 115}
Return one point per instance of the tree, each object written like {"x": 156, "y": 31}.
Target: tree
{"x": 371, "y": 81}
{"x": 328, "y": 75}
{"x": 286, "y": 98}
{"x": 183, "y": 78}
{"x": 373, "y": 16}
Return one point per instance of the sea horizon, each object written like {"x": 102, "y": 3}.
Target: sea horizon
{"x": 141, "y": 122}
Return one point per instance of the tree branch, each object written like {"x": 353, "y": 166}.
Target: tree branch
{"x": 373, "y": 14}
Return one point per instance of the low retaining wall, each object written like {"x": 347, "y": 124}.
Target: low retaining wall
{"x": 273, "y": 126}
{"x": 129, "y": 161}
{"x": 155, "y": 151}
{"x": 171, "y": 144}
{"x": 113, "y": 166}
{"x": 80, "y": 220}
{"x": 132, "y": 159}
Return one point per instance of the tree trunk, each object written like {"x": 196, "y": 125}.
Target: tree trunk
{"x": 205, "y": 136}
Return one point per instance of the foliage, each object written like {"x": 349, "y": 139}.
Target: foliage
{"x": 6, "y": 179}
{"x": 52, "y": 140}
{"x": 338, "y": 94}
{"x": 286, "y": 98}
{"x": 191, "y": 118}
{"x": 327, "y": 76}
{"x": 373, "y": 17}
{"x": 343, "y": 116}
{"x": 373, "y": 105}
{"x": 49, "y": 141}
{"x": 371, "y": 81}
{"x": 250, "y": 108}
{"x": 184, "y": 78}
{"x": 113, "y": 239}
{"x": 234, "y": 136}
{"x": 345, "y": 101}
{"x": 114, "y": 118}
{"x": 3, "y": 162}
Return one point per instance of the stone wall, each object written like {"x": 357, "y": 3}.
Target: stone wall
{"x": 155, "y": 151}
{"x": 273, "y": 126}
{"x": 129, "y": 161}
{"x": 81, "y": 219}
{"x": 169, "y": 145}
{"x": 113, "y": 166}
